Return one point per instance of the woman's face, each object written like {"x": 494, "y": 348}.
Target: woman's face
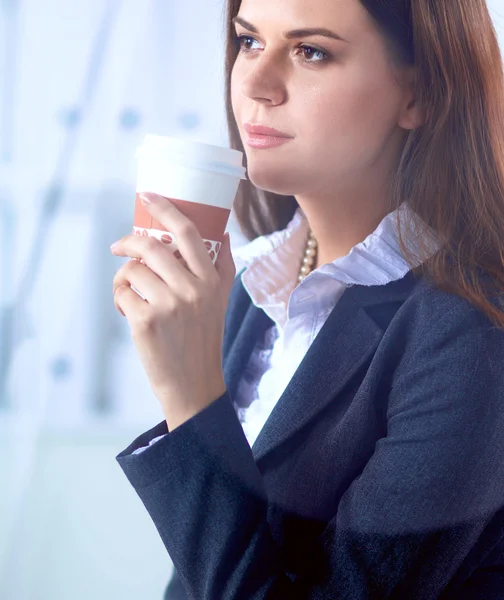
{"x": 340, "y": 101}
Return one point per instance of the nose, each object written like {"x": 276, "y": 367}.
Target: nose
{"x": 263, "y": 81}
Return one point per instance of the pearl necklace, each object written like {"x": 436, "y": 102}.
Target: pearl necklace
{"x": 310, "y": 255}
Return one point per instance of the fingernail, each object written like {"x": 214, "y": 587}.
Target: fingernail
{"x": 114, "y": 246}
{"x": 147, "y": 198}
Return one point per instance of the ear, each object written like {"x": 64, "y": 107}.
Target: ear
{"x": 411, "y": 116}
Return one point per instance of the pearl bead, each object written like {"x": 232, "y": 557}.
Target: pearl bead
{"x": 308, "y": 258}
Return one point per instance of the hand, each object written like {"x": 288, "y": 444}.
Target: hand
{"x": 178, "y": 329}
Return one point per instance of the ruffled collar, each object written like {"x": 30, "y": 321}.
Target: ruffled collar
{"x": 272, "y": 261}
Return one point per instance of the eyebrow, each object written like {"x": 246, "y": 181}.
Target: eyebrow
{"x": 295, "y": 33}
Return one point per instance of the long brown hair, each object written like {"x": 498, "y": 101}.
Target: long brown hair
{"x": 452, "y": 167}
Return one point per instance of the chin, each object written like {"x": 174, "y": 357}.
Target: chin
{"x": 276, "y": 181}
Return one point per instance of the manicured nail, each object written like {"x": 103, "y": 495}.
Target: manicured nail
{"x": 114, "y": 246}
{"x": 147, "y": 198}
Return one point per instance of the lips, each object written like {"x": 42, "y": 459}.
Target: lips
{"x": 264, "y": 130}
{"x": 263, "y": 137}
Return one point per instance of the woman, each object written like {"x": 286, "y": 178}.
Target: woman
{"x": 362, "y": 334}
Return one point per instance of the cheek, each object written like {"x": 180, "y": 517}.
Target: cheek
{"x": 235, "y": 92}
{"x": 346, "y": 115}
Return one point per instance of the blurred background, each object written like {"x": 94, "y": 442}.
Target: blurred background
{"x": 81, "y": 83}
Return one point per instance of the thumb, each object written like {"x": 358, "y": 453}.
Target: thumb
{"x": 225, "y": 264}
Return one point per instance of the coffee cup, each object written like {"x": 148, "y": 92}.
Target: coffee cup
{"x": 200, "y": 179}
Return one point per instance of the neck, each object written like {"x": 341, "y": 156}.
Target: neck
{"x": 339, "y": 226}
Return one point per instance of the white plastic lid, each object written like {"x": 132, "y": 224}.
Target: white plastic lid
{"x": 198, "y": 155}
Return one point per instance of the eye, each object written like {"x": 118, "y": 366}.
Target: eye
{"x": 242, "y": 40}
{"x": 310, "y": 52}
{"x": 311, "y": 55}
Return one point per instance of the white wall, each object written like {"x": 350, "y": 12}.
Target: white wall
{"x": 83, "y": 533}
{"x": 496, "y": 8}
{"x": 70, "y": 523}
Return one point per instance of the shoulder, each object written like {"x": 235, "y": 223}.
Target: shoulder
{"x": 431, "y": 308}
{"x": 445, "y": 336}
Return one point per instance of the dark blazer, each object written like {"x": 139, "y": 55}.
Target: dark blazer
{"x": 378, "y": 475}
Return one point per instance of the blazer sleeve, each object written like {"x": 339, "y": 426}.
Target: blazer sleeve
{"x": 404, "y": 526}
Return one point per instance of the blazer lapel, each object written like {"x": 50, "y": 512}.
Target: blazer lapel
{"x": 347, "y": 340}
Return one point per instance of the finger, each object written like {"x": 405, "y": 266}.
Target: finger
{"x": 187, "y": 236}
{"x": 156, "y": 256}
{"x": 133, "y": 273}
{"x": 225, "y": 265}
{"x": 129, "y": 303}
